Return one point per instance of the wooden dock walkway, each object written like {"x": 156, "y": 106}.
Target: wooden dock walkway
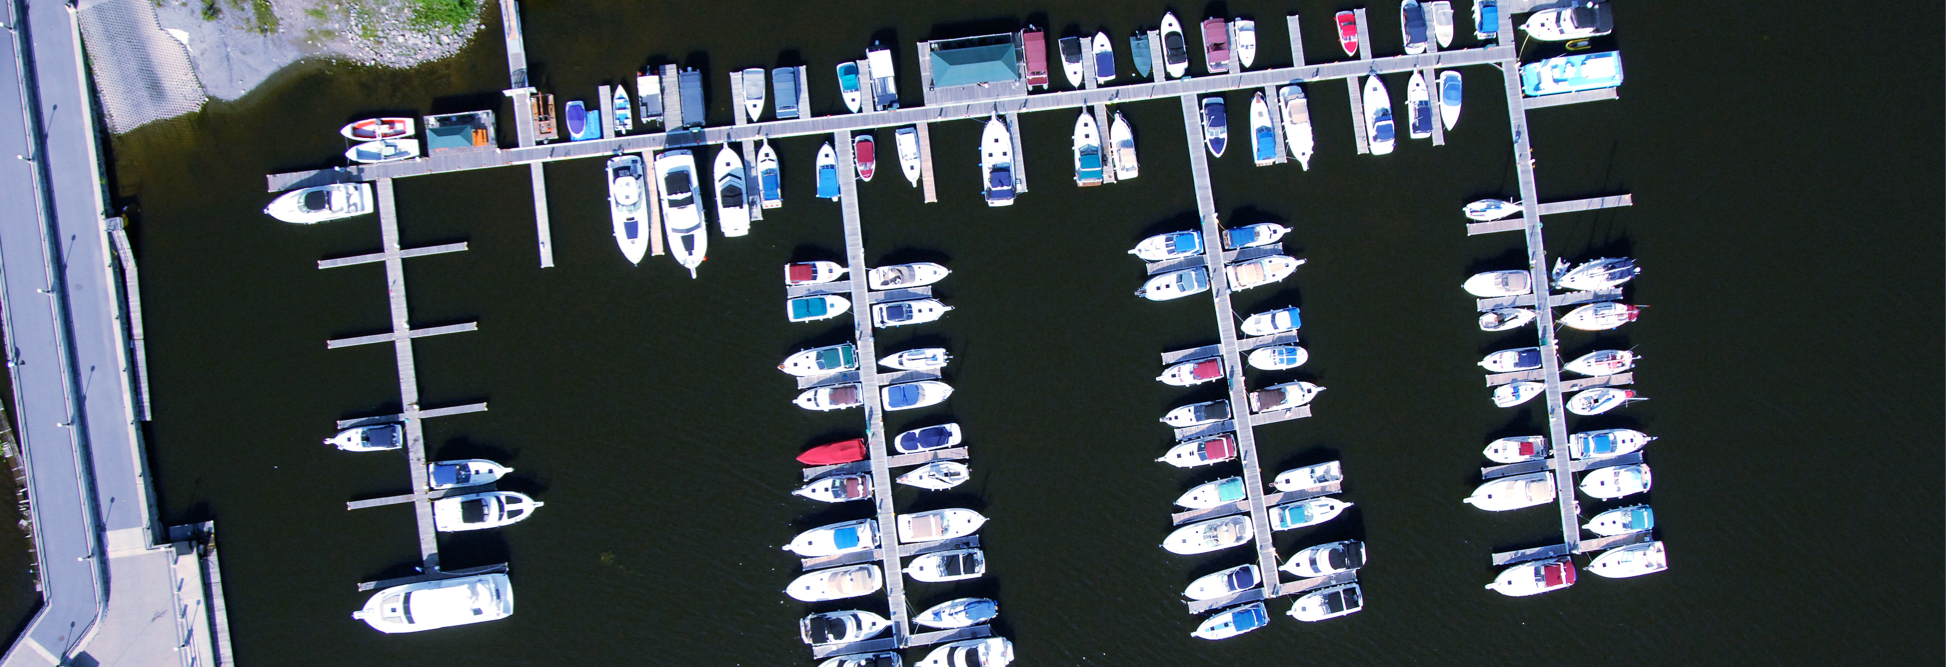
{"x": 1551, "y": 208}
{"x": 752, "y": 193}
{"x": 925, "y": 162}
{"x": 522, "y": 93}
{"x": 1020, "y": 154}
{"x": 1355, "y": 84}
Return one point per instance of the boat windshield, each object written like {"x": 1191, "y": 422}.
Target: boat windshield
{"x": 317, "y": 200}
{"x": 676, "y": 187}
{"x": 848, "y": 76}
{"x": 1173, "y": 49}
{"x": 1071, "y": 49}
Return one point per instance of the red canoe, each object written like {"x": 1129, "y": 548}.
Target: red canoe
{"x": 867, "y": 161}
{"x": 1348, "y": 32}
{"x": 834, "y": 453}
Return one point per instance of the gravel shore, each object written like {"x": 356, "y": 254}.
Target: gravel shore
{"x": 235, "y": 44}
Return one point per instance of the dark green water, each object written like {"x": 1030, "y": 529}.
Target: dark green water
{"x": 1787, "y": 176}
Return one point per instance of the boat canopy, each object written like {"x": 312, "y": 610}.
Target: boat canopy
{"x": 837, "y": 357}
{"x": 1003, "y": 180}
{"x": 1218, "y": 448}
{"x": 1207, "y": 370}
{"x": 1269, "y": 398}
{"x": 846, "y": 538}
{"x": 1034, "y": 44}
{"x": 1231, "y": 490}
{"x": 881, "y": 62}
{"x": 827, "y": 180}
{"x": 1603, "y": 444}
{"x": 904, "y": 395}
{"x": 815, "y": 306}
{"x": 1266, "y": 143}
{"x": 1216, "y": 40}
{"x": 783, "y": 80}
{"x": 1415, "y": 24}
{"x": 959, "y": 564}
{"x": 1186, "y": 242}
{"x": 926, "y": 438}
{"x": 898, "y": 312}
{"x": 845, "y": 395}
{"x": 1090, "y": 160}
{"x": 1213, "y": 114}
{"x": 1105, "y": 63}
{"x": 848, "y": 76}
{"x": 770, "y": 183}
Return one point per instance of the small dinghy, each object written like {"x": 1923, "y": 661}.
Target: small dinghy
{"x": 1071, "y": 60}
{"x": 732, "y": 198}
{"x": 906, "y": 140}
{"x": 1202, "y": 452}
{"x": 821, "y": 360}
{"x": 1223, "y": 583}
{"x": 753, "y": 94}
{"x": 1510, "y": 395}
{"x": 480, "y": 511}
{"x": 841, "y": 627}
{"x": 1216, "y": 125}
{"x": 1278, "y": 357}
{"x": 964, "y": 612}
{"x": 1575, "y": 20}
{"x": 1348, "y": 32}
{"x": 1418, "y": 105}
{"x": 1175, "y": 284}
{"x": 1487, "y": 210}
{"x": 1378, "y": 116}
{"x": 1328, "y": 603}
{"x": 1175, "y": 49}
{"x": 770, "y": 180}
{"x": 1208, "y": 412}
{"x": 1499, "y": 283}
{"x": 836, "y": 583}
{"x": 1601, "y": 399}
{"x": 1508, "y": 361}
{"x": 944, "y": 566}
{"x": 1630, "y": 561}
{"x": 1088, "y": 168}
{"x": 1413, "y": 29}
{"x": 1216, "y": 45}
{"x": 1232, "y": 622}
{"x": 624, "y": 117}
{"x": 914, "y": 395}
{"x": 927, "y": 439}
{"x": 1602, "y": 362}
{"x": 1122, "y": 140}
{"x": 1596, "y": 274}
{"x": 865, "y": 154}
{"x": 324, "y": 202}
{"x": 374, "y": 129}
{"x": 1607, "y": 443}
{"x": 918, "y": 359}
{"x": 1206, "y": 536}
{"x": 1309, "y": 477}
{"x": 938, "y": 525}
{"x": 1622, "y": 520}
{"x": 837, "y": 488}
{"x": 844, "y": 451}
{"x": 1329, "y": 558}
{"x": 937, "y": 476}
{"x": 834, "y": 397}
{"x": 881, "y": 659}
{"x": 989, "y": 652}
{"x": 1253, "y": 236}
{"x": 814, "y": 308}
{"x": 463, "y": 472}
{"x": 383, "y": 150}
{"x": 1306, "y": 513}
{"x": 902, "y": 313}
{"x": 1104, "y": 52}
{"x": 1506, "y": 319}
{"x": 835, "y": 539}
{"x": 849, "y": 86}
{"x": 1601, "y": 316}
{"x": 1440, "y": 13}
{"x": 1297, "y": 123}
{"x": 1263, "y": 137}
{"x": 904, "y": 276}
{"x": 1283, "y": 396}
{"x": 1192, "y": 373}
{"x": 1514, "y": 492}
{"x": 628, "y": 207}
{"x": 1534, "y": 577}
{"x": 813, "y": 273}
{"x": 827, "y": 167}
{"x": 1617, "y": 482}
{"x": 1282, "y": 320}
{"x": 1261, "y": 271}
{"x": 1172, "y": 245}
{"x": 1211, "y": 494}
{"x": 371, "y": 438}
{"x": 1452, "y": 93}
{"x": 1138, "y": 49}
{"x": 1243, "y": 33}
{"x": 1517, "y": 449}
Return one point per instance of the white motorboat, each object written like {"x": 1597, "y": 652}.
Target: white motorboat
{"x": 1328, "y": 558}
{"x": 1211, "y": 494}
{"x": 821, "y": 360}
{"x": 1617, "y": 481}
{"x": 1309, "y": 477}
{"x": 1192, "y": 373}
{"x": 1281, "y": 320}
{"x": 1328, "y": 603}
{"x": 988, "y": 652}
{"x": 906, "y": 140}
{"x": 463, "y": 472}
{"x": 997, "y": 163}
{"x": 841, "y": 627}
{"x": 370, "y": 438}
{"x": 1200, "y": 452}
{"x": 753, "y": 94}
{"x": 1440, "y": 13}
{"x": 961, "y": 613}
{"x": 682, "y": 216}
{"x": 1607, "y": 443}
{"x": 770, "y": 179}
{"x": 837, "y": 488}
{"x": 1602, "y": 362}
{"x": 1073, "y": 60}
{"x": 850, "y": 87}
{"x": 324, "y": 202}
{"x": 880, "y": 659}
{"x": 1206, "y": 536}
{"x": 1175, "y": 49}
{"x": 1378, "y": 116}
{"x": 1418, "y": 105}
{"x": 1232, "y": 622}
{"x": 1452, "y": 93}
{"x": 814, "y": 308}
{"x": 1208, "y": 412}
{"x": 1597, "y": 274}
{"x": 835, "y": 539}
{"x": 813, "y": 273}
{"x": 1260, "y": 271}
{"x": 1517, "y": 449}
{"x": 1413, "y": 27}
{"x": 1243, "y": 40}
{"x": 902, "y": 313}
{"x": 732, "y": 195}
{"x": 480, "y": 511}
{"x": 1499, "y": 283}
{"x": 1510, "y": 395}
{"x": 1253, "y": 236}
{"x": 1278, "y": 357}
{"x": 937, "y": 476}
{"x": 914, "y": 395}
{"x": 1103, "y": 51}
{"x": 1263, "y": 137}
{"x": 1514, "y": 492}
{"x": 1297, "y": 123}
{"x": 1506, "y": 319}
{"x": 1508, "y": 361}
{"x": 1622, "y": 520}
{"x": 624, "y": 111}
{"x": 1601, "y": 399}
{"x": 944, "y": 566}
{"x": 1175, "y": 284}
{"x": 1168, "y": 246}
{"x": 383, "y": 150}
{"x": 928, "y": 438}
{"x": 443, "y": 603}
{"x": 1601, "y": 316}
{"x": 1630, "y": 561}
{"x": 1306, "y": 513}
{"x": 836, "y": 583}
{"x": 1534, "y": 577}
{"x": 904, "y": 276}
{"x": 1283, "y": 396}
{"x": 1216, "y": 125}
{"x": 1224, "y": 582}
{"x": 938, "y": 525}
{"x": 827, "y": 173}
{"x": 1576, "y": 20}
{"x": 832, "y": 397}
{"x": 918, "y": 359}
{"x": 373, "y": 129}
{"x": 1487, "y": 210}
{"x": 628, "y": 206}
{"x": 1122, "y": 140}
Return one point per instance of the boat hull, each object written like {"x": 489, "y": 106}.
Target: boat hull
{"x": 906, "y": 140}
{"x": 1380, "y": 130}
{"x": 322, "y": 203}
{"x": 1630, "y": 561}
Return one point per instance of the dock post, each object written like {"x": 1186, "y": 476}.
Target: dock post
{"x": 1020, "y": 157}
{"x": 925, "y": 162}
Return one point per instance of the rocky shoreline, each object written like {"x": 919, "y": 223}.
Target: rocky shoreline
{"x": 235, "y": 45}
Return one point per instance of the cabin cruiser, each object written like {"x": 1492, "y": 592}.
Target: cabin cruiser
{"x": 1206, "y": 536}
{"x": 1192, "y": 453}
{"x": 1622, "y": 520}
{"x": 324, "y": 202}
{"x": 1122, "y": 140}
{"x": 1499, "y": 283}
{"x": 937, "y": 476}
{"x": 1616, "y": 482}
{"x": 833, "y": 453}
{"x": 1263, "y": 137}
{"x": 1306, "y": 513}
{"x": 914, "y": 395}
{"x": 964, "y": 612}
{"x": 827, "y": 168}
{"x": 988, "y": 652}
{"x": 1600, "y": 399}
{"x": 1088, "y": 167}
{"x": 837, "y": 488}
{"x": 1378, "y": 116}
{"x": 1224, "y": 583}
{"x": 1278, "y": 357}
{"x": 927, "y": 439}
{"x": 1488, "y": 210}
{"x": 906, "y": 140}
{"x": 841, "y": 627}
{"x": 1602, "y": 362}
{"x": 836, "y": 583}
{"x": 1072, "y": 60}
{"x": 1348, "y": 32}
{"x": 1596, "y": 274}
{"x": 918, "y": 359}
{"x": 835, "y": 539}
{"x": 849, "y": 86}
{"x": 1516, "y": 393}
{"x": 443, "y": 603}
{"x": 463, "y": 472}
{"x": 732, "y": 198}
{"x": 1175, "y": 284}
{"x": 902, "y": 313}
{"x": 1517, "y": 449}
{"x": 770, "y": 180}
{"x": 1572, "y": 74}
{"x": 1168, "y": 246}
{"x": 944, "y": 566}
{"x": 1576, "y": 20}
{"x": 814, "y": 308}
{"x": 1283, "y": 396}
{"x": 1208, "y": 412}
{"x": 1324, "y": 559}
{"x": 832, "y": 397}
{"x": 1281, "y": 320}
{"x": 628, "y": 208}
{"x": 1175, "y": 49}
{"x": 1452, "y": 94}
{"x": 1506, "y": 319}
{"x": 370, "y": 438}
{"x": 1232, "y": 622}
{"x": 753, "y": 94}
{"x": 1413, "y": 28}
{"x": 1607, "y": 443}
{"x": 1534, "y": 577}
{"x": 1601, "y": 316}
{"x": 1243, "y": 32}
{"x": 864, "y": 156}
{"x": 938, "y": 525}
{"x": 1297, "y": 123}
{"x": 1630, "y": 561}
{"x": 1514, "y": 492}
{"x": 1309, "y": 477}
{"x": 374, "y": 129}
{"x": 1216, "y": 45}
{"x": 1517, "y": 359}
{"x": 1328, "y": 603}
{"x": 997, "y": 163}
{"x": 1216, "y": 125}
{"x": 1440, "y": 13}
{"x": 383, "y": 150}
{"x": 480, "y": 511}
{"x": 1192, "y": 373}
{"x": 1418, "y": 105}
{"x": 1211, "y": 494}
{"x": 1253, "y": 236}
{"x": 821, "y": 360}
{"x": 682, "y": 217}
{"x": 1104, "y": 52}
{"x": 905, "y": 276}
{"x": 1261, "y": 271}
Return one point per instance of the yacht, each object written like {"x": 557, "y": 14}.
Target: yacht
{"x": 1607, "y": 443}
{"x": 1517, "y": 449}
{"x": 1122, "y": 139}
{"x": 902, "y": 313}
{"x": 1283, "y": 396}
{"x": 1601, "y": 316}
{"x": 1306, "y": 513}
{"x": 1253, "y": 236}
{"x": 1260, "y": 271}
{"x": 1418, "y": 104}
{"x": 1348, "y": 32}
{"x": 1325, "y": 559}
{"x": 906, "y": 140}
{"x": 1309, "y": 477}
{"x": 1208, "y": 412}
{"x": 835, "y": 539}
{"x": 964, "y": 612}
{"x": 1630, "y": 561}
{"x": 1282, "y": 320}
{"x": 1224, "y": 583}
{"x": 1412, "y": 27}
{"x": 1451, "y": 95}
{"x": 374, "y": 129}
{"x": 827, "y": 168}
{"x": 864, "y": 156}
{"x": 880, "y": 659}
{"x": 1216, "y": 45}
{"x": 1600, "y": 399}
{"x": 732, "y": 199}
{"x": 463, "y": 472}
{"x": 443, "y": 603}
{"x": 1088, "y": 168}
{"x": 1616, "y": 482}
{"x": 628, "y": 209}
{"x": 1604, "y": 273}
{"x": 1506, "y": 319}
{"x": 814, "y": 308}
{"x": 849, "y": 86}
{"x": 837, "y": 488}
{"x": 1232, "y": 622}
{"x": 1534, "y": 577}
{"x": 1622, "y": 520}
{"x": 1216, "y": 125}
{"x": 1328, "y": 603}
{"x": 1193, "y": 453}
{"x": 813, "y": 273}
{"x": 1168, "y": 246}
{"x": 833, "y": 397}
{"x": 1576, "y": 20}
{"x": 770, "y": 181}
{"x": 937, "y": 475}
{"x": 1602, "y": 362}
{"x": 1175, "y": 284}
{"x": 324, "y": 202}
{"x": 1487, "y": 210}
{"x": 753, "y": 94}
{"x": 1378, "y": 116}
{"x": 371, "y": 438}
{"x": 1510, "y": 395}
{"x": 1212, "y": 494}
{"x": 944, "y": 566}
{"x": 1499, "y": 283}
{"x": 938, "y": 525}
{"x": 682, "y": 217}
{"x": 1104, "y": 52}
{"x": 1192, "y": 373}
{"x": 1297, "y": 123}
{"x": 1206, "y": 536}
{"x": 914, "y": 395}
{"x": 841, "y": 627}
{"x": 1263, "y": 137}
{"x": 1514, "y": 492}
{"x": 918, "y": 359}
{"x": 927, "y": 439}
{"x": 905, "y": 276}
{"x": 480, "y": 511}
{"x": 1572, "y": 74}
{"x": 1440, "y": 13}
{"x": 836, "y": 583}
{"x": 821, "y": 360}
{"x": 997, "y": 163}
{"x": 988, "y": 652}
{"x": 1243, "y": 33}
{"x": 1278, "y": 357}
{"x": 1071, "y": 60}
{"x": 833, "y": 453}
{"x": 1508, "y": 361}
{"x": 1486, "y": 19}
{"x": 624, "y": 119}
{"x": 1175, "y": 49}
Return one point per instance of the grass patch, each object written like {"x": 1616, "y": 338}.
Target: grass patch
{"x": 266, "y": 18}
{"x": 316, "y": 13}
{"x": 443, "y": 13}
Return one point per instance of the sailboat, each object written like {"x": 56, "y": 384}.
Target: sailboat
{"x": 732, "y": 204}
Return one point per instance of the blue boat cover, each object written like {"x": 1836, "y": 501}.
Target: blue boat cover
{"x": 834, "y": 358}
{"x": 898, "y": 312}
{"x": 1213, "y": 115}
{"x": 1090, "y": 164}
{"x": 1415, "y": 24}
{"x": 810, "y": 306}
{"x": 1243, "y": 579}
{"x": 1450, "y": 89}
{"x": 1242, "y": 236}
{"x": 1266, "y": 144}
{"x": 1383, "y": 129}
{"x": 845, "y": 538}
{"x": 1250, "y": 618}
{"x": 450, "y": 475}
{"x": 1422, "y": 120}
{"x": 931, "y": 437}
{"x": 1104, "y": 65}
{"x": 1641, "y": 518}
{"x": 848, "y": 77}
{"x": 1529, "y": 358}
{"x": 1230, "y": 490}
{"x": 1003, "y": 180}
{"x": 770, "y": 185}
{"x": 827, "y": 181}
{"x": 1602, "y": 444}
{"x": 1185, "y": 242}
{"x": 901, "y": 396}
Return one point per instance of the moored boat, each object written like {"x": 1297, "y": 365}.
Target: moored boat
{"x": 1211, "y": 494}
{"x": 648, "y": 96}
{"x": 1232, "y": 622}
{"x": 906, "y": 140}
{"x": 917, "y": 359}
{"x": 1514, "y": 492}
{"x": 1088, "y": 167}
{"x": 443, "y": 603}
{"x": 821, "y": 360}
{"x": 1281, "y": 320}
{"x": 1283, "y": 396}
{"x": 1617, "y": 481}
{"x": 1348, "y": 32}
{"x": 927, "y": 439}
{"x": 1517, "y": 449}
{"x": 1413, "y": 28}
{"x": 937, "y": 475}
{"x": 1534, "y": 577}
{"x": 374, "y": 129}
{"x": 1216, "y": 125}
{"x": 1207, "y": 412}
{"x": 814, "y": 308}
{"x": 1168, "y": 246}
{"x": 1508, "y": 361}
{"x": 865, "y": 156}
{"x": 1602, "y": 362}
{"x": 1071, "y": 60}
{"x": 1193, "y": 453}
{"x": 988, "y": 652}
{"x": 1224, "y": 582}
{"x": 1622, "y": 520}
{"x": 368, "y": 438}
{"x": 944, "y": 566}
{"x": 1243, "y": 35}
{"x": 1216, "y": 45}
{"x": 936, "y": 525}
{"x": 1440, "y": 14}
{"x": 902, "y": 313}
{"x": 880, "y": 659}
{"x": 1418, "y": 104}
{"x": 1491, "y": 284}
{"x": 914, "y": 395}
{"x": 1575, "y": 20}
{"x": 1309, "y": 477}
{"x": 815, "y": 272}
{"x": 841, "y": 627}
{"x": 1104, "y": 57}
{"x": 1630, "y": 561}
{"x": 827, "y": 166}
{"x": 1378, "y": 116}
{"x": 1607, "y": 443}
{"x": 1192, "y": 373}
{"x": 1572, "y": 74}
{"x": 1263, "y": 137}
{"x": 905, "y": 276}
{"x": 753, "y": 94}
{"x": 836, "y": 539}
{"x": 383, "y": 150}
{"x": 1328, "y": 603}
{"x": 1260, "y": 271}
{"x": 682, "y": 216}
{"x": 1297, "y": 123}
{"x": 1254, "y": 235}
{"x": 997, "y": 163}
{"x": 1033, "y": 42}
{"x": 849, "y": 86}
{"x": 1175, "y": 284}
{"x": 1451, "y": 96}
{"x": 834, "y": 453}
{"x": 1601, "y": 399}
{"x": 1138, "y": 50}
{"x": 1596, "y": 274}
{"x": 1121, "y": 139}
{"x": 323, "y": 202}
{"x": 836, "y": 583}
{"x": 1175, "y": 49}
{"x": 624, "y": 117}
{"x": 770, "y": 181}
{"x": 1506, "y": 319}
{"x": 628, "y": 208}
{"x": 834, "y": 397}
{"x": 480, "y": 511}
{"x": 1305, "y": 513}
{"x": 1601, "y": 316}
{"x": 1487, "y": 210}
{"x": 1206, "y": 536}
{"x": 1278, "y": 357}
{"x": 1486, "y": 19}
{"x": 837, "y": 488}
{"x": 732, "y": 194}
{"x": 463, "y": 472}
{"x": 1328, "y": 558}
{"x": 960, "y": 613}
{"x": 1516, "y": 393}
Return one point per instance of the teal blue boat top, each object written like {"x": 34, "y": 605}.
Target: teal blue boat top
{"x": 1138, "y": 46}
